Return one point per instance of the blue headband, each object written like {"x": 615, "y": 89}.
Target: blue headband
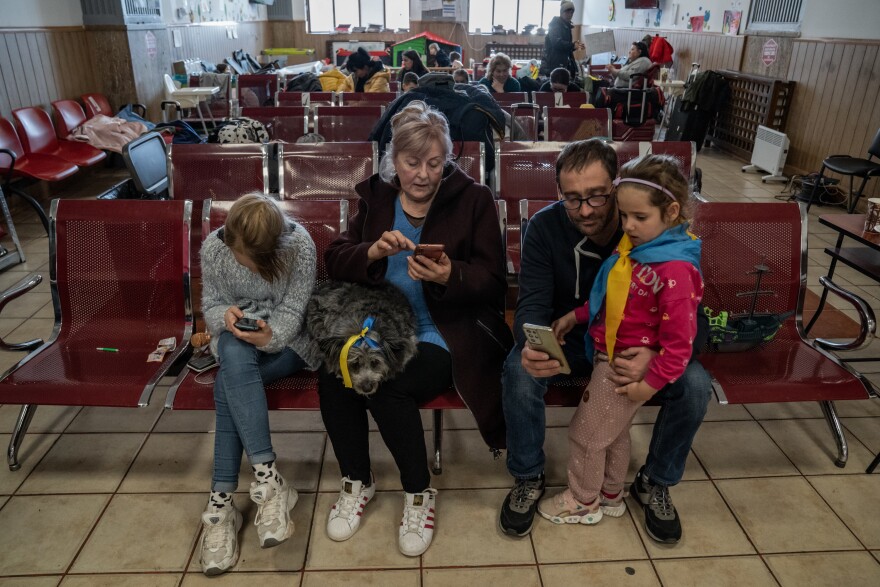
{"x": 650, "y": 184}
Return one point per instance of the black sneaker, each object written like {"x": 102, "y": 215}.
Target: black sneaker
{"x": 520, "y": 505}
{"x": 661, "y": 519}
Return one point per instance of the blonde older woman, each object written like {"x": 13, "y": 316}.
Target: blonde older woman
{"x": 419, "y": 196}
{"x": 498, "y": 78}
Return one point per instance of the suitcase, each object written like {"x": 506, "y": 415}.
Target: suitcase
{"x": 689, "y": 125}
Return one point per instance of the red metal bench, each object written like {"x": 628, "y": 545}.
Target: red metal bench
{"x": 119, "y": 275}
{"x": 325, "y": 171}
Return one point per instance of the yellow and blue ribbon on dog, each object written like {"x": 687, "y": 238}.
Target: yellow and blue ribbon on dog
{"x": 355, "y": 340}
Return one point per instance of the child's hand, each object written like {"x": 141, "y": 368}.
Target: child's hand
{"x": 638, "y": 391}
{"x": 563, "y": 326}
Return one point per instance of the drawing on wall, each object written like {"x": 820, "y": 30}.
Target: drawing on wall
{"x": 706, "y": 16}
{"x": 696, "y": 24}
{"x": 657, "y": 20}
{"x": 731, "y": 22}
{"x": 611, "y": 11}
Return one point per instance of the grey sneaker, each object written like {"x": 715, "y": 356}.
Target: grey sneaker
{"x": 273, "y": 522}
{"x": 661, "y": 519}
{"x": 219, "y": 548}
{"x": 520, "y": 505}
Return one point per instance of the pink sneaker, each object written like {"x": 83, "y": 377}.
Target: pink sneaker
{"x": 611, "y": 504}
{"x": 563, "y": 508}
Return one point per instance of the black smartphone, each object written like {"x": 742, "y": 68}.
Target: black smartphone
{"x": 202, "y": 363}
{"x": 247, "y": 325}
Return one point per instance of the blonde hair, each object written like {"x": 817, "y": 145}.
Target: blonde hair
{"x": 664, "y": 171}
{"x": 257, "y": 228}
{"x": 500, "y": 60}
{"x": 414, "y": 130}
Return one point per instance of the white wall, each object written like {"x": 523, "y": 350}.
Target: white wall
{"x": 189, "y": 11}
{"x": 838, "y": 19}
{"x": 595, "y": 14}
{"x": 841, "y": 19}
{"x": 40, "y": 13}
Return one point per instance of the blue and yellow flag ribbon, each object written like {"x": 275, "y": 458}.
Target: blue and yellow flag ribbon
{"x": 355, "y": 340}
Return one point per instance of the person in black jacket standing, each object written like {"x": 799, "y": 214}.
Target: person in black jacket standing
{"x": 559, "y": 47}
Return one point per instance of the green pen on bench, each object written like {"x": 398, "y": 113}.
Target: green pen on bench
{"x": 107, "y": 349}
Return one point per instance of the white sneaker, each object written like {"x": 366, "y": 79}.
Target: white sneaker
{"x": 345, "y": 515}
{"x": 219, "y": 548}
{"x": 273, "y": 522}
{"x": 417, "y": 526}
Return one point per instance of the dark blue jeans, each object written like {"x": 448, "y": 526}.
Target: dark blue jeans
{"x": 684, "y": 405}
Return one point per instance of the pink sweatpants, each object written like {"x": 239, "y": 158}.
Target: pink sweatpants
{"x": 598, "y": 438}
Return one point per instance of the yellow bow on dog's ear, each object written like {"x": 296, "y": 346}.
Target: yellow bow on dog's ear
{"x": 355, "y": 340}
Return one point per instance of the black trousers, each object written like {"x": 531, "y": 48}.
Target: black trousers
{"x": 395, "y": 408}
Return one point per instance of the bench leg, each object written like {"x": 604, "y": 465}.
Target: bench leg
{"x": 837, "y": 431}
{"x": 873, "y": 464}
{"x": 437, "y": 466}
{"x": 21, "y": 425}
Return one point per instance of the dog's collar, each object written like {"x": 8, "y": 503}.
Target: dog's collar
{"x": 355, "y": 341}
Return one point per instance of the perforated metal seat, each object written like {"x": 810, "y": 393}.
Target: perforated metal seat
{"x": 508, "y": 98}
{"x": 471, "y": 158}
{"x": 349, "y": 123}
{"x": 789, "y": 368}
{"x": 574, "y": 124}
{"x": 283, "y": 123}
{"x": 365, "y": 98}
{"x": 570, "y": 99}
{"x": 119, "y": 280}
{"x": 325, "y": 171}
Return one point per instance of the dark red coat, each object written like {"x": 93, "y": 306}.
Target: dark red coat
{"x": 469, "y": 309}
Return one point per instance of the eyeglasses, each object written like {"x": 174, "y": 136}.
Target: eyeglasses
{"x": 596, "y": 201}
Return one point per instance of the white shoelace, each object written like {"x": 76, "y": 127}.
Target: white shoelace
{"x": 216, "y": 535}
{"x": 270, "y": 510}
{"x": 346, "y": 505}
{"x": 414, "y": 518}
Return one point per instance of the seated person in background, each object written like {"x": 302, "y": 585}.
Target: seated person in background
{"x": 455, "y": 59}
{"x": 419, "y": 196}
{"x": 259, "y": 265}
{"x": 461, "y": 76}
{"x": 367, "y": 75}
{"x": 411, "y": 61}
{"x": 498, "y": 78}
{"x": 410, "y": 81}
{"x": 437, "y": 57}
{"x": 560, "y": 81}
{"x": 638, "y": 62}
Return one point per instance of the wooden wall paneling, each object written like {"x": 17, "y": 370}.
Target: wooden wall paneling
{"x": 811, "y": 106}
{"x": 37, "y": 71}
{"x": 27, "y": 65}
{"x": 48, "y": 65}
{"x": 19, "y": 78}
{"x": 59, "y": 53}
{"x": 795, "y": 129}
{"x": 10, "y": 90}
{"x": 846, "y": 83}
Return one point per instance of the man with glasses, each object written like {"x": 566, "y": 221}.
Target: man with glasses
{"x": 564, "y": 245}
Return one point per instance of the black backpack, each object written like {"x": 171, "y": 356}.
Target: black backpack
{"x": 304, "y": 82}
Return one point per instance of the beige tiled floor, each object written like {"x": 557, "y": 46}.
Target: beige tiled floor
{"x": 113, "y": 496}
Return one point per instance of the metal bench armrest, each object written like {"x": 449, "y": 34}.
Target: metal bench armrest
{"x": 867, "y": 322}
{"x": 17, "y": 290}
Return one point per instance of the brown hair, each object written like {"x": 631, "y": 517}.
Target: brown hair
{"x": 414, "y": 130}
{"x": 500, "y": 60}
{"x": 257, "y": 228}
{"x": 579, "y": 154}
{"x": 662, "y": 170}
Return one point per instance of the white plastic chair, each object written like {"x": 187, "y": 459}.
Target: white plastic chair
{"x": 190, "y": 98}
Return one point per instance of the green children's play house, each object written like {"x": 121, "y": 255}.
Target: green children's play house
{"x": 420, "y": 44}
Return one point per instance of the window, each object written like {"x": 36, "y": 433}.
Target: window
{"x": 511, "y": 14}
{"x": 775, "y": 16}
{"x": 325, "y": 15}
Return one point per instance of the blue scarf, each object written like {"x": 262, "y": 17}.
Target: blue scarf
{"x": 675, "y": 244}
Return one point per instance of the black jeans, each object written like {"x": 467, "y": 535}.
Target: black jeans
{"x": 395, "y": 407}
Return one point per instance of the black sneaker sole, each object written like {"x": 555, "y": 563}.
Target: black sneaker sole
{"x": 512, "y": 532}
{"x": 660, "y": 540}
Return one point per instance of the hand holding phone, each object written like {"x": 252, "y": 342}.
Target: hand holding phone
{"x": 542, "y": 338}
{"x": 433, "y": 252}
{"x": 247, "y": 325}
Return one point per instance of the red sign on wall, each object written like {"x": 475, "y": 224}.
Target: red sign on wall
{"x": 769, "y": 52}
